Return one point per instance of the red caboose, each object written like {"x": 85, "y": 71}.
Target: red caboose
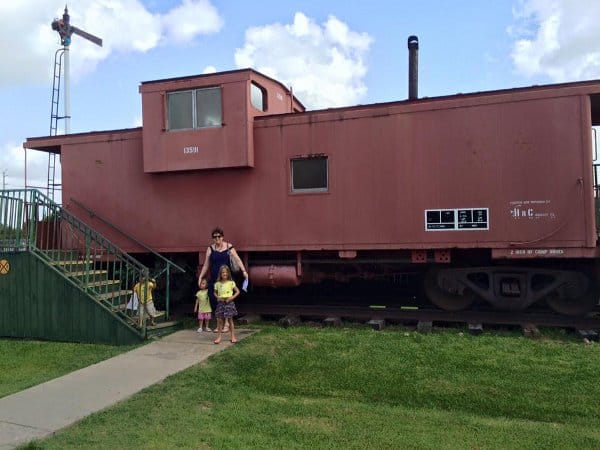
{"x": 487, "y": 195}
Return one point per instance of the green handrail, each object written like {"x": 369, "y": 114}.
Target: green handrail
{"x": 168, "y": 263}
{"x": 30, "y": 221}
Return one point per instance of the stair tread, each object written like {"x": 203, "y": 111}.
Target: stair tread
{"x": 75, "y": 262}
{"x": 103, "y": 282}
{"x": 160, "y": 325}
{"x": 115, "y": 294}
{"x": 83, "y": 272}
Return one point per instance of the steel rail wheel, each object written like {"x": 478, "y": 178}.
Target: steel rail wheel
{"x": 573, "y": 306}
{"x": 447, "y": 292}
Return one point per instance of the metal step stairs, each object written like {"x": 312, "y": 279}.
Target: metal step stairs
{"x": 109, "y": 291}
{"x": 84, "y": 257}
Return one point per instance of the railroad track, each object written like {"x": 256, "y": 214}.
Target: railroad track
{"x": 416, "y": 314}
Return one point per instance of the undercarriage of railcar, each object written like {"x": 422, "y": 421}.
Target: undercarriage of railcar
{"x": 472, "y": 281}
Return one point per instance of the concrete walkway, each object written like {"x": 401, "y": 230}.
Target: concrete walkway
{"x": 42, "y": 410}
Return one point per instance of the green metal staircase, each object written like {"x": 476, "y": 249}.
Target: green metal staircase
{"x": 31, "y": 222}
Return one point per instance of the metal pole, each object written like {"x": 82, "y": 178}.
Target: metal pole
{"x": 413, "y": 67}
{"x": 168, "y": 301}
{"x": 3, "y": 179}
{"x": 67, "y": 93}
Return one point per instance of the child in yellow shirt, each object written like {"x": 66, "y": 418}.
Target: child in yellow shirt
{"x": 226, "y": 292}
{"x": 202, "y": 307}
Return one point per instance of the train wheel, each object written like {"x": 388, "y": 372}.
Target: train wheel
{"x": 573, "y": 306}
{"x": 447, "y": 293}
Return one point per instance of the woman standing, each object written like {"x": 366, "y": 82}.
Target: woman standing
{"x": 217, "y": 255}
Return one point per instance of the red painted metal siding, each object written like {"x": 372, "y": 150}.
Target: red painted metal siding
{"x": 387, "y": 164}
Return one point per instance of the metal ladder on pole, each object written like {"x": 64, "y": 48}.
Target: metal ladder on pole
{"x": 54, "y": 117}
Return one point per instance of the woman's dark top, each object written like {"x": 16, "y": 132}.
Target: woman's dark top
{"x": 216, "y": 260}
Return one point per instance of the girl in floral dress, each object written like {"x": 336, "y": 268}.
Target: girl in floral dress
{"x": 226, "y": 292}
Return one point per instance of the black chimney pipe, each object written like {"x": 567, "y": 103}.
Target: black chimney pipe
{"x": 413, "y": 67}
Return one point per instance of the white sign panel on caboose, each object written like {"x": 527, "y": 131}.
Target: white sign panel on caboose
{"x": 459, "y": 219}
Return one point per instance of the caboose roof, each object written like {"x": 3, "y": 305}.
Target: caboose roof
{"x": 238, "y": 73}
{"x": 590, "y": 87}
{"x": 52, "y": 144}
{"x": 212, "y": 74}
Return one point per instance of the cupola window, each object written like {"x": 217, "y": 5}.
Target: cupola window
{"x": 258, "y": 96}
{"x": 197, "y": 108}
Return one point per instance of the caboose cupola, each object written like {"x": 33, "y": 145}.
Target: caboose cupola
{"x": 206, "y": 121}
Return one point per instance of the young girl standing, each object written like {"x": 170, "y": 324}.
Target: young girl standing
{"x": 202, "y": 307}
{"x": 226, "y": 292}
{"x": 144, "y": 289}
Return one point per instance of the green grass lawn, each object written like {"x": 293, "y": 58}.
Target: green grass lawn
{"x": 356, "y": 388}
{"x": 25, "y": 363}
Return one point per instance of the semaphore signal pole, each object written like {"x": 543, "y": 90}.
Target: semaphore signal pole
{"x": 66, "y": 30}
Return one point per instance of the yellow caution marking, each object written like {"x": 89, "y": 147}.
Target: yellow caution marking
{"x": 4, "y": 266}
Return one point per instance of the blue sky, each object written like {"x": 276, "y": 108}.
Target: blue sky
{"x": 332, "y": 53}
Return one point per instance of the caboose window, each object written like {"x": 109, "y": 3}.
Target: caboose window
{"x": 258, "y": 97}
{"x": 180, "y": 108}
{"x": 309, "y": 174}
{"x": 199, "y": 108}
{"x": 208, "y": 108}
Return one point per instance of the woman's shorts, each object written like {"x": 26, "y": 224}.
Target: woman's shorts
{"x": 204, "y": 316}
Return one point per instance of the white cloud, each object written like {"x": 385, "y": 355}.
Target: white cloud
{"x": 324, "y": 64}
{"x": 138, "y": 121}
{"x": 12, "y": 163}
{"x": 29, "y": 42}
{"x": 191, "y": 18}
{"x": 557, "y": 38}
